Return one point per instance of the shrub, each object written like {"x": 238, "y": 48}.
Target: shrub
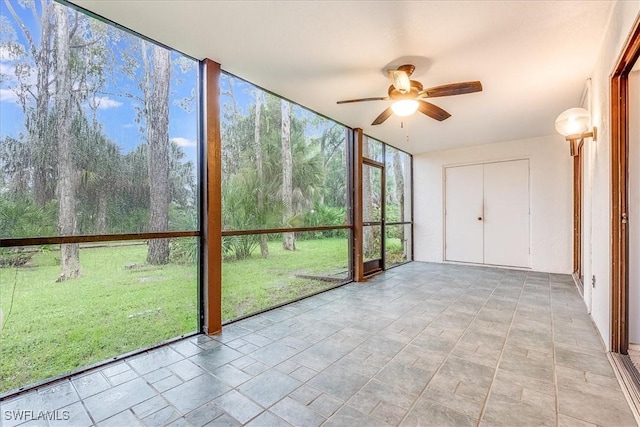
{"x": 22, "y": 218}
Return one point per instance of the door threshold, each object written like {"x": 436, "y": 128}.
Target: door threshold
{"x": 476, "y": 264}
{"x": 629, "y": 380}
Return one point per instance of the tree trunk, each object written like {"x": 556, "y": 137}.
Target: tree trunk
{"x": 101, "y": 220}
{"x": 157, "y": 76}
{"x": 288, "y": 239}
{"x": 399, "y": 179}
{"x": 69, "y": 253}
{"x": 264, "y": 247}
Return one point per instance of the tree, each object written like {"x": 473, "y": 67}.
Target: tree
{"x": 54, "y": 72}
{"x": 255, "y": 177}
{"x": 40, "y": 62}
{"x": 14, "y": 159}
{"x": 157, "y": 73}
{"x": 333, "y": 163}
{"x": 69, "y": 253}
{"x": 98, "y": 162}
{"x": 399, "y": 181}
{"x": 288, "y": 239}
{"x": 367, "y": 204}
{"x": 236, "y": 132}
{"x": 257, "y": 143}
{"x": 181, "y": 179}
{"x": 132, "y": 199}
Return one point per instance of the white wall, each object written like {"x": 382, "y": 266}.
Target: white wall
{"x": 551, "y": 198}
{"x": 597, "y": 167}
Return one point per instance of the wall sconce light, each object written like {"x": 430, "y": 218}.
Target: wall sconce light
{"x": 573, "y": 124}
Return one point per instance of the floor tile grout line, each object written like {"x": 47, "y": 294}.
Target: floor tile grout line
{"x": 335, "y": 333}
{"x": 449, "y": 354}
{"x": 447, "y": 357}
{"x": 504, "y": 346}
{"x": 93, "y": 421}
{"x": 161, "y": 393}
{"x": 406, "y": 345}
{"x": 390, "y": 360}
{"x": 444, "y": 360}
{"x": 267, "y": 409}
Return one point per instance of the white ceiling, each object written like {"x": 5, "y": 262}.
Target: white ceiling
{"x": 532, "y": 57}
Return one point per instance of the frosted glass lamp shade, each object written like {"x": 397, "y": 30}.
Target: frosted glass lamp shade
{"x": 404, "y": 107}
{"x": 573, "y": 121}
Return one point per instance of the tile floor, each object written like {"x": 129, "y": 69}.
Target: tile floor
{"x": 422, "y": 344}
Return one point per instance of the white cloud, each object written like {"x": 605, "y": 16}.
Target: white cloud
{"x": 8, "y": 95}
{"x": 104, "y": 103}
{"x": 129, "y": 126}
{"x": 7, "y": 70}
{"x": 184, "y": 142}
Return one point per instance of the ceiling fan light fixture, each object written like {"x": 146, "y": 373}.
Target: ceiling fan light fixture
{"x": 404, "y": 107}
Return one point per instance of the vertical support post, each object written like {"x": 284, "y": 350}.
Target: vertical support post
{"x": 383, "y": 209}
{"x": 357, "y": 206}
{"x": 213, "y": 200}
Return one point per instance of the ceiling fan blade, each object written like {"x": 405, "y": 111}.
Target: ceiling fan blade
{"x": 383, "y": 116}
{"x": 452, "y": 89}
{"x": 432, "y": 111}
{"x": 379, "y": 98}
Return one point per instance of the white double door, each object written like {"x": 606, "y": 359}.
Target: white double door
{"x": 487, "y": 213}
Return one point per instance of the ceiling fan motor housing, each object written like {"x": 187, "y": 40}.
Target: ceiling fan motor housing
{"x": 416, "y": 87}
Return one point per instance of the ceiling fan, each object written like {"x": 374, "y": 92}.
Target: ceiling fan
{"x": 409, "y": 95}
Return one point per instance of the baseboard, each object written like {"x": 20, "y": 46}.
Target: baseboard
{"x": 579, "y": 283}
{"x": 475, "y": 264}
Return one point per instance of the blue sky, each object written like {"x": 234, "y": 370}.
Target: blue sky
{"x": 115, "y": 111}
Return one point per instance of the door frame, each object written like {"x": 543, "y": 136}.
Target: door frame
{"x": 619, "y": 192}
{"x": 376, "y": 265}
{"x": 578, "y": 178}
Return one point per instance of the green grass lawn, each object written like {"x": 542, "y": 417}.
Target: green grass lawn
{"x": 52, "y": 328}
{"x": 256, "y": 283}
